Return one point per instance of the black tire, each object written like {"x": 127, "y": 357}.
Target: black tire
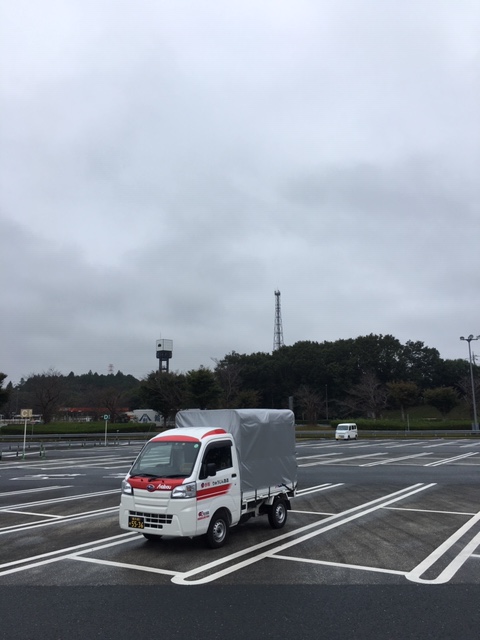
{"x": 151, "y": 536}
{"x": 277, "y": 514}
{"x": 218, "y": 530}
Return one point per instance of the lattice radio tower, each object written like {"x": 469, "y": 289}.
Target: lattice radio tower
{"x": 277, "y": 330}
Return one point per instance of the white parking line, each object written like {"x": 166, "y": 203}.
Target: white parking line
{"x": 340, "y": 460}
{"x": 30, "y": 513}
{"x": 55, "y": 501}
{"x": 455, "y": 564}
{"x": 321, "y": 487}
{"x": 65, "y": 520}
{"x": 60, "y": 554}
{"x": 403, "y": 444}
{"x": 454, "y": 459}
{"x": 185, "y": 578}
{"x": 42, "y": 489}
{"x": 448, "y": 513}
{"x": 340, "y": 565}
{"x": 323, "y": 526}
{"x": 438, "y": 444}
{"x": 316, "y": 456}
{"x": 119, "y": 565}
{"x": 393, "y": 460}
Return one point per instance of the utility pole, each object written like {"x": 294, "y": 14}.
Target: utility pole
{"x": 469, "y": 340}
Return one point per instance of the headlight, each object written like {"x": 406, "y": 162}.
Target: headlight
{"x": 188, "y": 490}
{"x": 127, "y": 488}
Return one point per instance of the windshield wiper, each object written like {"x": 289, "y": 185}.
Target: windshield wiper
{"x": 152, "y": 475}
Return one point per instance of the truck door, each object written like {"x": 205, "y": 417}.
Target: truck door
{"x": 219, "y": 481}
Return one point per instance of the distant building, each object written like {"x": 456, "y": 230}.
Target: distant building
{"x": 146, "y": 416}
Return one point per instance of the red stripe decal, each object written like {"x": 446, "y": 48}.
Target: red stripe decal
{"x": 178, "y": 438}
{"x": 214, "y": 432}
{"x": 212, "y": 492}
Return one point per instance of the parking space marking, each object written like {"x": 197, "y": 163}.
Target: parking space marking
{"x": 448, "y": 513}
{"x": 452, "y": 568}
{"x": 81, "y": 496}
{"x": 392, "y": 460}
{"x": 42, "y": 489}
{"x": 55, "y": 556}
{"x": 454, "y": 459}
{"x": 30, "y": 513}
{"x": 323, "y": 526}
{"x": 313, "y": 513}
{"x": 340, "y": 565}
{"x": 66, "y": 519}
{"x": 439, "y": 444}
{"x": 340, "y": 460}
{"x": 320, "y": 487}
{"x": 120, "y": 565}
{"x": 44, "y": 476}
{"x": 316, "y": 456}
{"x": 403, "y": 444}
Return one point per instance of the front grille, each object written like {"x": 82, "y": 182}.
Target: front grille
{"x": 153, "y": 520}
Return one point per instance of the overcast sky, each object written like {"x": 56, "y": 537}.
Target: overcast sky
{"x": 166, "y": 166}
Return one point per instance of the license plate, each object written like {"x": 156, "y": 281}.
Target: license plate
{"x": 136, "y": 522}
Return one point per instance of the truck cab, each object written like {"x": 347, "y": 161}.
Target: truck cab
{"x": 179, "y": 481}
{"x": 217, "y": 468}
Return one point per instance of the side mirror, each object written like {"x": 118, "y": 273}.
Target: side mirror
{"x": 211, "y": 469}
{"x": 207, "y": 470}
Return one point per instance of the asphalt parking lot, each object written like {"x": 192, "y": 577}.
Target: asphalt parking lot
{"x": 369, "y": 514}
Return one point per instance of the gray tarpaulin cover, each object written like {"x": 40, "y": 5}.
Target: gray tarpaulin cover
{"x": 264, "y": 438}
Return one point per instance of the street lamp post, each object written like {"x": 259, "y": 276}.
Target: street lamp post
{"x": 469, "y": 340}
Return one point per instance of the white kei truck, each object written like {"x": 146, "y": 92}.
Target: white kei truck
{"x": 214, "y": 470}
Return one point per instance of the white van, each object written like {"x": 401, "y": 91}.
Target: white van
{"x": 346, "y": 431}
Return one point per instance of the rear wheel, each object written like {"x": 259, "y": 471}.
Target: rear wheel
{"x": 277, "y": 516}
{"x": 217, "y": 533}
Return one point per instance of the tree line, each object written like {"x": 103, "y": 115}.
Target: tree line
{"x": 358, "y": 377}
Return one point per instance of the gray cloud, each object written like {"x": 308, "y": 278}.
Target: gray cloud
{"x": 165, "y": 168}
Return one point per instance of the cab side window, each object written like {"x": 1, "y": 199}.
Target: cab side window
{"x": 220, "y": 455}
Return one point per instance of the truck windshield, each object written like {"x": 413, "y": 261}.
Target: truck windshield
{"x": 166, "y": 459}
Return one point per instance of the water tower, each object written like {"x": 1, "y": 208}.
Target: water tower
{"x": 164, "y": 353}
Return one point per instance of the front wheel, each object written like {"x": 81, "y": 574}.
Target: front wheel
{"x": 217, "y": 533}
{"x": 277, "y": 515}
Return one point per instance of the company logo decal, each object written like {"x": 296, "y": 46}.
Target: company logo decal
{"x": 151, "y": 487}
{"x": 203, "y": 514}
{"x": 215, "y": 483}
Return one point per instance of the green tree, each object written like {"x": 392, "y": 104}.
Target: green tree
{"x": 113, "y": 400}
{"x": 257, "y": 373}
{"x": 165, "y": 393}
{"x": 47, "y": 392}
{"x": 203, "y": 389}
{"x": 368, "y": 397}
{"x": 248, "y": 399}
{"x": 228, "y": 376}
{"x": 422, "y": 364}
{"x": 403, "y": 394}
{"x": 442, "y": 398}
{"x": 310, "y": 403}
